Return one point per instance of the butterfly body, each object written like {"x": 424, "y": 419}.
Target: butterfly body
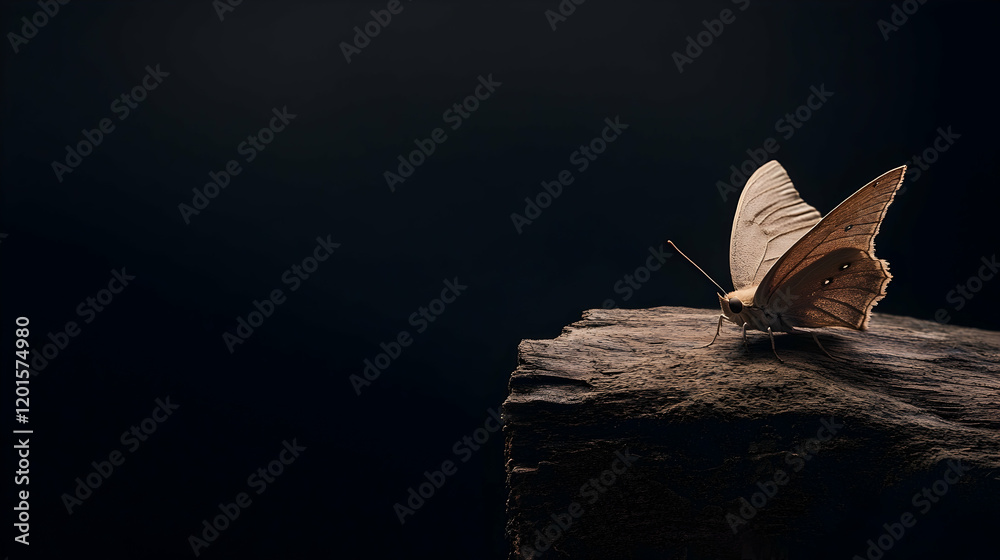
{"x": 756, "y": 318}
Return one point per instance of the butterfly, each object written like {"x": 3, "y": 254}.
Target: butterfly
{"x": 791, "y": 268}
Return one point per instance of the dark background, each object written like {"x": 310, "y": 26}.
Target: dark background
{"x": 323, "y": 176}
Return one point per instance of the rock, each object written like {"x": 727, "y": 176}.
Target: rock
{"x": 623, "y": 440}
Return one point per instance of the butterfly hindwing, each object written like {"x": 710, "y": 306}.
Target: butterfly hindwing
{"x": 837, "y": 290}
{"x": 845, "y": 236}
{"x": 770, "y": 218}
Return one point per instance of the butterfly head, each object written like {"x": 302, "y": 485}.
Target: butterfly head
{"x": 735, "y": 303}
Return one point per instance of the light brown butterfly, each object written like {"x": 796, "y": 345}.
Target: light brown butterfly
{"x": 792, "y": 269}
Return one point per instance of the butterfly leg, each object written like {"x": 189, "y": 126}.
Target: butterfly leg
{"x": 824, "y": 349}
{"x": 773, "y": 349}
{"x": 717, "y": 329}
{"x": 746, "y": 343}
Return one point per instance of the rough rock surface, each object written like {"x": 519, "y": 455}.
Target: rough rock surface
{"x": 715, "y": 431}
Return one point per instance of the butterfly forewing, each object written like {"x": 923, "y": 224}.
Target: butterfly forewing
{"x": 770, "y": 218}
{"x": 845, "y": 236}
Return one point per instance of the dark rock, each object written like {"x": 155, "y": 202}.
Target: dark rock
{"x": 910, "y": 402}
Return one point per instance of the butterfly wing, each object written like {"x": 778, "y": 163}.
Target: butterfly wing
{"x": 831, "y": 276}
{"x": 770, "y": 218}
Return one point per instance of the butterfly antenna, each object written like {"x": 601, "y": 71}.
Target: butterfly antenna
{"x": 721, "y": 291}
